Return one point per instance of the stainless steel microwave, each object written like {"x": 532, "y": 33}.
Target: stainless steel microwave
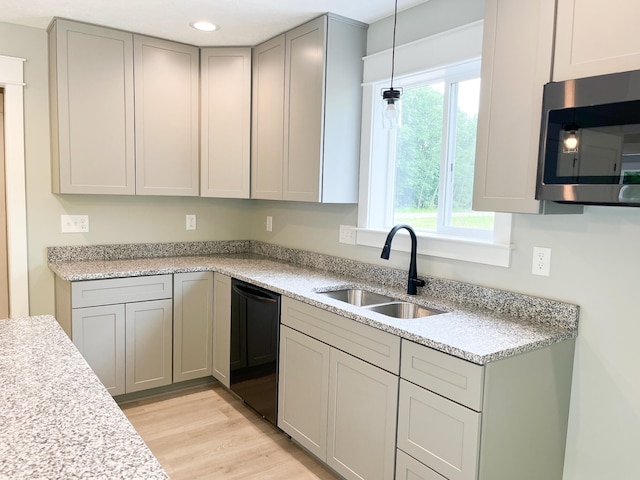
{"x": 590, "y": 141}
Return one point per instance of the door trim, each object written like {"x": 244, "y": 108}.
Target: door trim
{"x": 11, "y": 79}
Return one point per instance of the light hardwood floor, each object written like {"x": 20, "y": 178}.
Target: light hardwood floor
{"x": 205, "y": 432}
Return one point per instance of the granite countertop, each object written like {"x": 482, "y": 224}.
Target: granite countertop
{"x": 58, "y": 421}
{"x": 479, "y": 325}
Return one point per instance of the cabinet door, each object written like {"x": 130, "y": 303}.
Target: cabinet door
{"x": 98, "y": 333}
{"x": 92, "y": 103}
{"x": 595, "y": 37}
{"x": 148, "y": 344}
{"x": 363, "y": 402}
{"x": 438, "y": 432}
{"x": 225, "y": 82}
{"x": 303, "y": 107}
{"x": 267, "y": 119}
{"x": 516, "y": 63}
{"x": 303, "y": 390}
{"x": 221, "y": 328}
{"x": 166, "y": 120}
{"x": 192, "y": 325}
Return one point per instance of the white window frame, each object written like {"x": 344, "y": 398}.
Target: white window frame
{"x": 456, "y": 46}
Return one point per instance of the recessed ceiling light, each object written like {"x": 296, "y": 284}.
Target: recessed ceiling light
{"x": 204, "y": 26}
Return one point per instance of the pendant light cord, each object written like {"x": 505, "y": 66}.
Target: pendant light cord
{"x": 393, "y": 46}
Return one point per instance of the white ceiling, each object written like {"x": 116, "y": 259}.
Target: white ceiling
{"x": 242, "y": 22}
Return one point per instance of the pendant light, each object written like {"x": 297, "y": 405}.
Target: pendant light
{"x": 391, "y": 96}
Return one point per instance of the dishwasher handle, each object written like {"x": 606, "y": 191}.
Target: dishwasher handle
{"x": 253, "y": 293}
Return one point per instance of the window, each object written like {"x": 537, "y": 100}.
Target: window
{"x": 431, "y": 156}
{"x": 421, "y": 174}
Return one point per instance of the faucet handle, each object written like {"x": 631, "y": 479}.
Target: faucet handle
{"x": 419, "y": 282}
{"x": 414, "y": 283}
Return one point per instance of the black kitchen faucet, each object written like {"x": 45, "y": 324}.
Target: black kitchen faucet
{"x": 414, "y": 282}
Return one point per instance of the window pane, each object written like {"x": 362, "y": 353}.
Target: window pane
{"x": 466, "y": 123}
{"x": 418, "y": 156}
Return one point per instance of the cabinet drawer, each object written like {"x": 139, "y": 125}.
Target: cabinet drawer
{"x": 91, "y": 293}
{"x": 451, "y": 377}
{"x": 438, "y": 432}
{"x": 408, "y": 468}
{"x": 367, "y": 343}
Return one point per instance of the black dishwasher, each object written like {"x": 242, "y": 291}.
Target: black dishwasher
{"x": 255, "y": 319}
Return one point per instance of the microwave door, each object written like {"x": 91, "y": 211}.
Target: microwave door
{"x": 599, "y": 155}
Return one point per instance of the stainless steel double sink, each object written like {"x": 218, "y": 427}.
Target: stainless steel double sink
{"x": 384, "y": 304}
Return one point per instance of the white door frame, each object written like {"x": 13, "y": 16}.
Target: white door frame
{"x": 11, "y": 79}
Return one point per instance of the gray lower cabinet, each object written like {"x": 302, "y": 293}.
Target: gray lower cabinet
{"x": 99, "y": 335}
{"x": 148, "y": 349}
{"x": 221, "y": 368}
{"x": 303, "y": 395}
{"x": 340, "y": 406}
{"x": 361, "y": 426}
{"x": 123, "y": 328}
{"x": 408, "y": 468}
{"x": 128, "y": 346}
{"x": 192, "y": 325}
{"x": 504, "y": 420}
{"x": 443, "y": 434}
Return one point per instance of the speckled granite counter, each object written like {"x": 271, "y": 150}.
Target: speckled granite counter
{"x": 480, "y": 324}
{"x": 57, "y": 420}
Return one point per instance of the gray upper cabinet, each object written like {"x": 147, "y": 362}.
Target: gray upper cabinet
{"x": 91, "y": 95}
{"x": 124, "y": 112}
{"x": 319, "y": 146}
{"x": 517, "y": 53}
{"x": 267, "y": 117}
{"x": 166, "y": 117}
{"x": 579, "y": 52}
{"x": 225, "y": 99}
{"x": 516, "y": 63}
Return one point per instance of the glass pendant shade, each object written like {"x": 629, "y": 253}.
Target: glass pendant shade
{"x": 391, "y": 108}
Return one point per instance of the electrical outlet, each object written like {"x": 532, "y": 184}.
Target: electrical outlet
{"x": 541, "y": 261}
{"x": 191, "y": 222}
{"x": 74, "y": 223}
{"x": 347, "y": 234}
{"x": 269, "y": 224}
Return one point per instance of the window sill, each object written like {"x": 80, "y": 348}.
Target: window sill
{"x": 456, "y": 248}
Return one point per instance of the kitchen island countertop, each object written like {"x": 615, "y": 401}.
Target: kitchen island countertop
{"x": 57, "y": 420}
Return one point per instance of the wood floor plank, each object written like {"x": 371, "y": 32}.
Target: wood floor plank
{"x": 205, "y": 432}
